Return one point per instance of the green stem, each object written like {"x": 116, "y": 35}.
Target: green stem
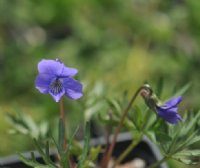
{"x": 133, "y": 144}
{"x": 62, "y": 117}
{"x": 107, "y": 157}
{"x": 158, "y": 163}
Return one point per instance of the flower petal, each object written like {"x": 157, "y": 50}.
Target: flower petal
{"x": 69, "y": 71}
{"x": 57, "y": 96}
{"x": 170, "y": 116}
{"x": 50, "y": 67}
{"x": 172, "y": 110}
{"x": 73, "y": 88}
{"x": 42, "y": 82}
{"x": 173, "y": 102}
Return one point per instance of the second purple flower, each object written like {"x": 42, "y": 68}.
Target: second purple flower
{"x": 169, "y": 110}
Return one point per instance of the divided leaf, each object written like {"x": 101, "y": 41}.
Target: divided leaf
{"x": 85, "y": 147}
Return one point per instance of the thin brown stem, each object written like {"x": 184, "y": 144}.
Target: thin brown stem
{"x": 107, "y": 156}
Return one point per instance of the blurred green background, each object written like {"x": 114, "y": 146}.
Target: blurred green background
{"x": 122, "y": 43}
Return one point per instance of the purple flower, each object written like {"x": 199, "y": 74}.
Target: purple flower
{"x": 169, "y": 110}
{"x": 55, "y": 78}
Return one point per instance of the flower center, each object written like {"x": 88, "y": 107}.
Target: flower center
{"x": 56, "y": 86}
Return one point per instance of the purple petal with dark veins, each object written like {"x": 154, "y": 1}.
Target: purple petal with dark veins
{"x": 58, "y": 95}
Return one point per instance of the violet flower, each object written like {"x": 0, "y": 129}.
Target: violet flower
{"x": 169, "y": 110}
{"x": 54, "y": 78}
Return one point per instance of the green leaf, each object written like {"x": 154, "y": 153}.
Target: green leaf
{"x": 194, "y": 140}
{"x": 191, "y": 123}
{"x": 55, "y": 143}
{"x": 184, "y": 160}
{"x": 94, "y": 152}
{"x": 138, "y": 117}
{"x": 161, "y": 126}
{"x": 85, "y": 148}
{"x": 114, "y": 105}
{"x": 65, "y": 156}
{"x": 45, "y": 166}
{"x": 129, "y": 125}
{"x": 27, "y": 161}
{"x": 183, "y": 90}
{"x": 32, "y": 163}
{"x": 163, "y": 137}
{"x": 106, "y": 119}
{"x": 159, "y": 87}
{"x": 47, "y": 149}
{"x": 45, "y": 157}
{"x": 195, "y": 152}
{"x": 149, "y": 119}
{"x": 33, "y": 156}
{"x": 65, "y": 160}
{"x": 186, "y": 142}
{"x": 151, "y": 135}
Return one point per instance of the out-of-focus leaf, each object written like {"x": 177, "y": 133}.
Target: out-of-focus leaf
{"x": 47, "y": 149}
{"x": 159, "y": 87}
{"x": 45, "y": 157}
{"x": 162, "y": 137}
{"x": 129, "y": 125}
{"x": 151, "y": 135}
{"x": 149, "y": 119}
{"x": 24, "y": 124}
{"x": 138, "y": 117}
{"x": 194, "y": 152}
{"x": 44, "y": 129}
{"x": 194, "y": 140}
{"x": 34, "y": 163}
{"x": 106, "y": 119}
{"x": 161, "y": 126}
{"x": 184, "y": 160}
{"x": 183, "y": 90}
{"x": 85, "y": 147}
{"x": 94, "y": 152}
{"x": 28, "y": 162}
{"x": 65, "y": 155}
{"x": 191, "y": 123}
{"x": 114, "y": 105}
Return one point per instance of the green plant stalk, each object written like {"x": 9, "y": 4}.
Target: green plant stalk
{"x": 62, "y": 117}
{"x": 133, "y": 144}
{"x": 108, "y": 154}
{"x": 158, "y": 163}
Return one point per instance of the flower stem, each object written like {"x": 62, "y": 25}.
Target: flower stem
{"x": 108, "y": 154}
{"x": 62, "y": 112}
{"x": 133, "y": 144}
{"x": 158, "y": 163}
{"x": 62, "y": 117}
